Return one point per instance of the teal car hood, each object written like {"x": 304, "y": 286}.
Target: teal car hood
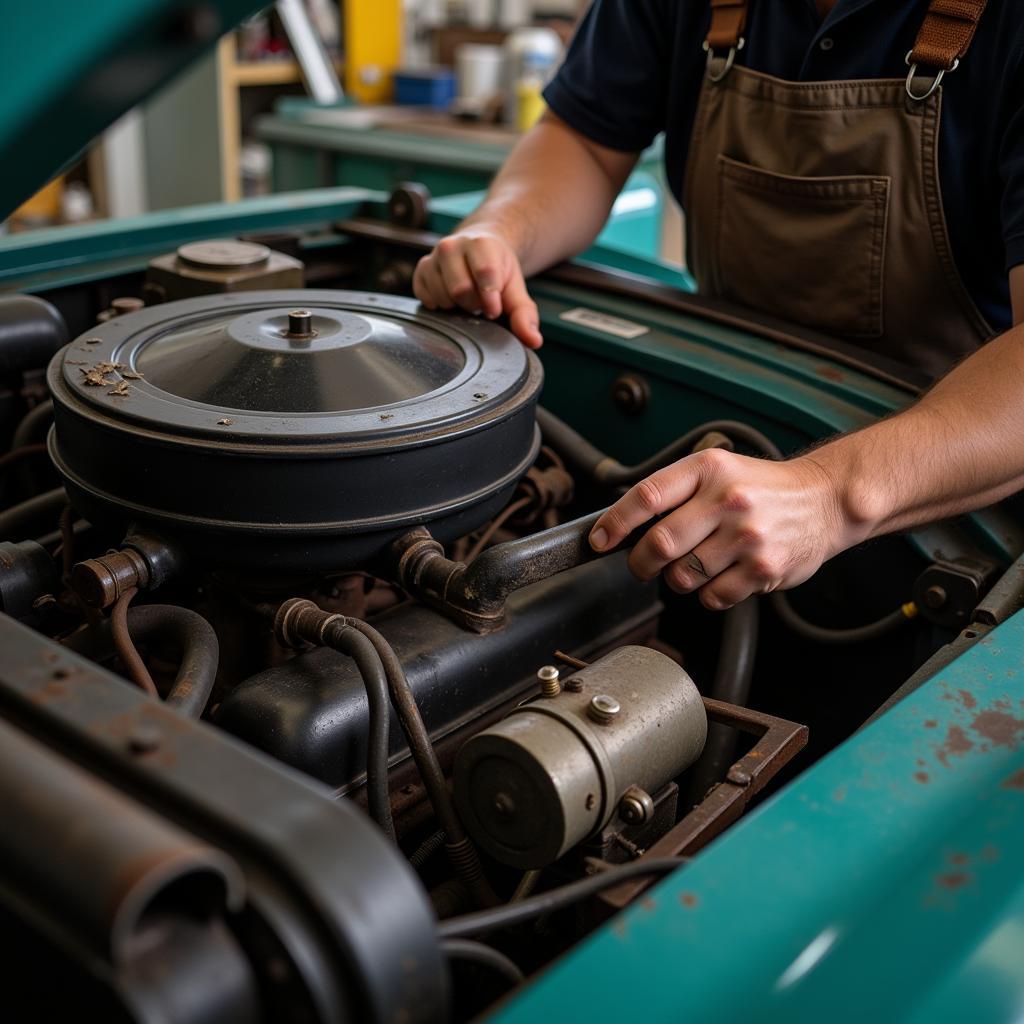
{"x": 72, "y": 69}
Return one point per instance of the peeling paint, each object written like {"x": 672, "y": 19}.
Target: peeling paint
{"x": 688, "y": 899}
{"x": 954, "y": 880}
{"x": 1015, "y": 781}
{"x": 968, "y": 699}
{"x": 922, "y": 777}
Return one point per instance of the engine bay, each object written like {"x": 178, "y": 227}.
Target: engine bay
{"x": 303, "y": 622}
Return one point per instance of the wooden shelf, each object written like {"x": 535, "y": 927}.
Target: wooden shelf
{"x": 234, "y": 75}
{"x": 267, "y": 72}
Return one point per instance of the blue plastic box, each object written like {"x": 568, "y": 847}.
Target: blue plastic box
{"x": 426, "y": 87}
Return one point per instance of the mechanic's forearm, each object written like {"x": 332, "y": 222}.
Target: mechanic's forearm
{"x": 553, "y": 195}
{"x": 960, "y": 448}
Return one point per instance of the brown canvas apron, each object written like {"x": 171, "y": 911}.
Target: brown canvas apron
{"x": 819, "y": 202}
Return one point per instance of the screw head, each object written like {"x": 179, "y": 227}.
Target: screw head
{"x": 574, "y": 684}
{"x": 935, "y": 596}
{"x": 144, "y": 739}
{"x": 504, "y": 805}
{"x": 636, "y": 806}
{"x": 631, "y": 394}
{"x": 603, "y": 708}
{"x": 632, "y": 810}
{"x": 549, "y": 681}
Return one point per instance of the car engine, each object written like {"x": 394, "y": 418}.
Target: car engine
{"x": 316, "y": 703}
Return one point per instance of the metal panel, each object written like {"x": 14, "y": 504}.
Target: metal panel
{"x": 70, "y": 70}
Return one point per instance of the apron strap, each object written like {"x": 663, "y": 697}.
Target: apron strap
{"x": 728, "y": 19}
{"x": 946, "y": 34}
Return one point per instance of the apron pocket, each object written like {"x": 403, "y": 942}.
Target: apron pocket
{"x": 807, "y": 250}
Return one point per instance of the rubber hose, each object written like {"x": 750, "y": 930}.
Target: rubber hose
{"x": 485, "y": 956}
{"x": 342, "y": 637}
{"x": 22, "y": 520}
{"x": 29, "y": 429}
{"x": 200, "y": 652}
{"x": 732, "y": 682}
{"x": 483, "y": 921}
{"x": 461, "y": 850}
{"x": 824, "y": 635}
{"x": 31, "y": 332}
{"x": 581, "y": 455}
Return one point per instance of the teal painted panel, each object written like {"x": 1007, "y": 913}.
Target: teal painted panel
{"x": 34, "y": 260}
{"x": 71, "y": 69}
{"x": 883, "y": 885}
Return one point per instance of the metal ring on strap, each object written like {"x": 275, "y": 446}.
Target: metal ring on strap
{"x": 921, "y": 97}
{"x": 730, "y": 59}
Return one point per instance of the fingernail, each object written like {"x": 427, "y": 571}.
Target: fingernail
{"x": 599, "y": 538}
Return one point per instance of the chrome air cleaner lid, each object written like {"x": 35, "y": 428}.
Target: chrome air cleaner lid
{"x": 303, "y": 429}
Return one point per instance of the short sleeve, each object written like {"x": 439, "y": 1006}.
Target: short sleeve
{"x": 1012, "y": 168}
{"x": 613, "y": 84}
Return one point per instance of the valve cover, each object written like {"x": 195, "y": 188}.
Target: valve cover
{"x": 295, "y": 430}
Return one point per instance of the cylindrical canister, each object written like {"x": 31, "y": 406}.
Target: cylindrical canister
{"x": 553, "y": 772}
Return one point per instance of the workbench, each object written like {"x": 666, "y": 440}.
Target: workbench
{"x": 380, "y": 147}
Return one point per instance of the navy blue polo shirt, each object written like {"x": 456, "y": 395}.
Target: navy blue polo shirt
{"x": 635, "y": 68}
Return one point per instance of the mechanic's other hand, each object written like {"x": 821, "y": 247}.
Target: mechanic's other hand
{"x": 753, "y": 525}
{"x": 479, "y": 271}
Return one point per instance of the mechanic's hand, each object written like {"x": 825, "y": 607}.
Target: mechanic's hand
{"x": 754, "y": 525}
{"x": 479, "y": 271}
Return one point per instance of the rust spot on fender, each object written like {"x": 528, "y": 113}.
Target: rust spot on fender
{"x": 959, "y": 858}
{"x": 839, "y": 795}
{"x": 829, "y": 373}
{"x": 998, "y": 727}
{"x": 649, "y": 904}
{"x": 954, "y": 880}
{"x": 1015, "y": 781}
{"x": 931, "y": 724}
{"x": 968, "y": 699}
{"x": 922, "y": 777}
{"x": 957, "y": 743}
{"x": 688, "y": 899}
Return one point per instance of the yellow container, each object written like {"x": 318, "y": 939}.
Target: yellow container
{"x": 373, "y": 48}
{"x": 530, "y": 103}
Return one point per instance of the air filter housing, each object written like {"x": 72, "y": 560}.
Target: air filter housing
{"x": 298, "y": 430}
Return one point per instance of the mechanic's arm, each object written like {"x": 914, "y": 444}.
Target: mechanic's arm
{"x": 757, "y": 526}
{"x": 548, "y": 202}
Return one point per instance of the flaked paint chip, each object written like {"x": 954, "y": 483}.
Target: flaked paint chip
{"x": 95, "y": 378}
{"x": 226, "y": 422}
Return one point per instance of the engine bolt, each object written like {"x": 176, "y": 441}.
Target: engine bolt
{"x": 144, "y": 739}
{"x": 636, "y": 806}
{"x": 549, "y": 681}
{"x": 574, "y": 685}
{"x": 300, "y": 323}
{"x": 935, "y": 596}
{"x": 504, "y": 806}
{"x": 603, "y": 709}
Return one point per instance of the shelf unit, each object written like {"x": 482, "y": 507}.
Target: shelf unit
{"x": 234, "y": 75}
